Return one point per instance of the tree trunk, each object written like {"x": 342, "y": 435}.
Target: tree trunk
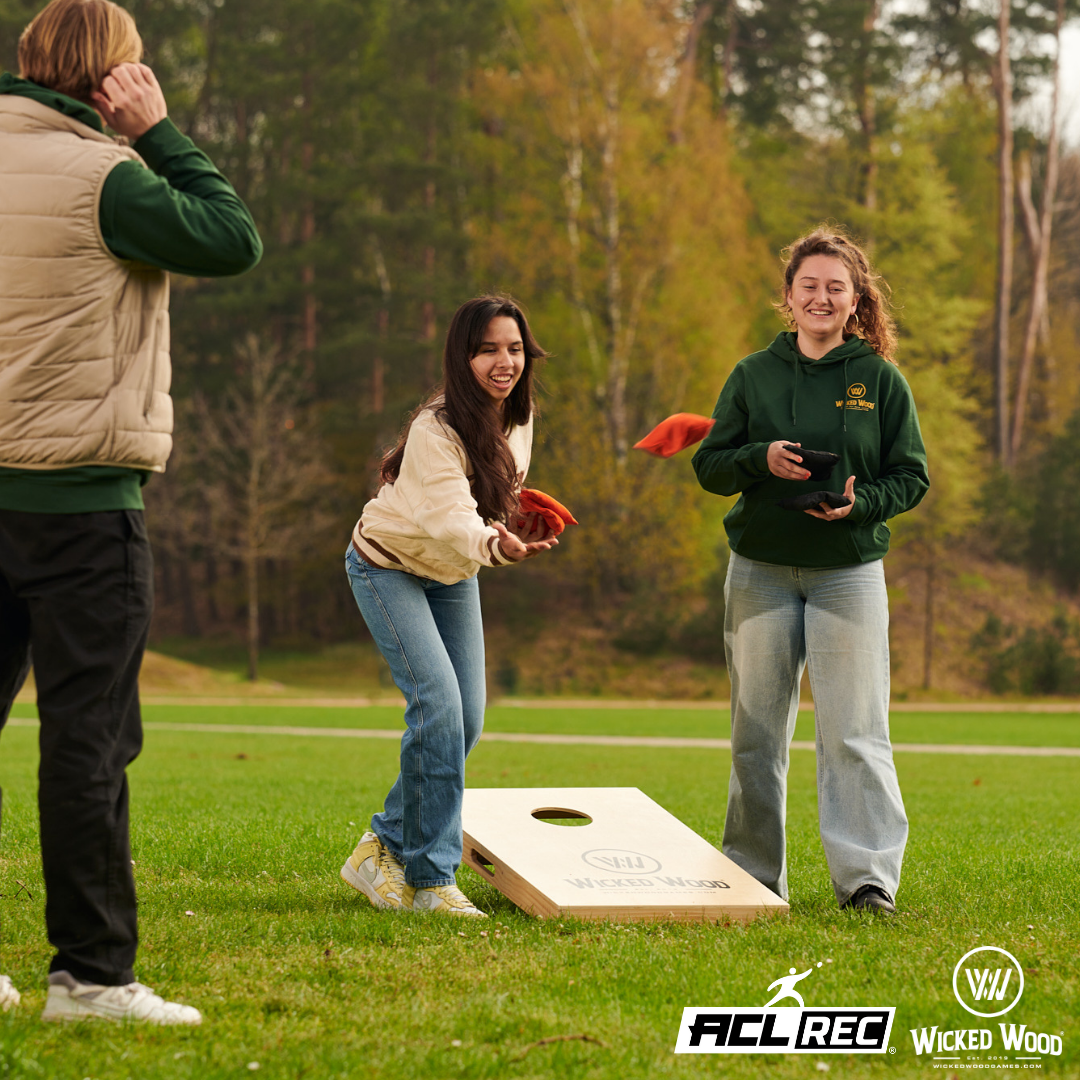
{"x": 428, "y": 314}
{"x": 164, "y": 560}
{"x": 188, "y": 593}
{"x": 572, "y": 196}
{"x": 687, "y": 69}
{"x": 254, "y": 502}
{"x": 1003, "y": 87}
{"x": 868, "y": 114}
{"x": 1039, "y": 307}
{"x": 251, "y": 565}
{"x": 378, "y": 390}
{"x": 617, "y": 364}
{"x": 731, "y": 43}
{"x": 211, "y": 589}
{"x": 307, "y": 226}
{"x": 928, "y": 620}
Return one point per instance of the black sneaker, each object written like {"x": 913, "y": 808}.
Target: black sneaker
{"x": 871, "y": 898}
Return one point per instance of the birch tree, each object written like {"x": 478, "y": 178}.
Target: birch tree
{"x": 1038, "y": 228}
{"x": 612, "y": 209}
{"x": 263, "y": 470}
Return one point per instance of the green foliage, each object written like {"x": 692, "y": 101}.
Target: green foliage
{"x": 957, "y": 39}
{"x": 14, "y": 15}
{"x": 1034, "y": 511}
{"x": 639, "y": 276}
{"x": 1031, "y": 660}
{"x": 776, "y": 55}
{"x": 401, "y": 155}
{"x": 1054, "y": 537}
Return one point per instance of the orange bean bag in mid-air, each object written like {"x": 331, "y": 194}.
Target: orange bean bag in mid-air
{"x": 675, "y": 433}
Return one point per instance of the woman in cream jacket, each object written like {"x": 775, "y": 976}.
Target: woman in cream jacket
{"x": 447, "y": 487}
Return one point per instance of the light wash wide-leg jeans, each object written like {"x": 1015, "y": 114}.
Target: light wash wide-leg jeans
{"x": 835, "y": 621}
{"x": 432, "y": 637}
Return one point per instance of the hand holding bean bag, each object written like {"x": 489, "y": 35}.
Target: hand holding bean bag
{"x": 540, "y": 516}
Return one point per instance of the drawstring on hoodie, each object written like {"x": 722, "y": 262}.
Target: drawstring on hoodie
{"x": 795, "y": 397}
{"x": 843, "y": 402}
{"x": 785, "y": 346}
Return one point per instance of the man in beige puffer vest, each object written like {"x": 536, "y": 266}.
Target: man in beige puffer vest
{"x": 89, "y": 230}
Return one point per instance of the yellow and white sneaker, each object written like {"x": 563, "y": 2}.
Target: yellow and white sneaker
{"x": 444, "y": 899}
{"x": 372, "y": 870}
{"x": 9, "y": 996}
{"x": 70, "y": 999}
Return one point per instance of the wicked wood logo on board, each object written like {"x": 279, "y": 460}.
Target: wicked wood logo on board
{"x": 625, "y": 857}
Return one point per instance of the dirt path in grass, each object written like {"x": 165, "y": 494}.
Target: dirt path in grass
{"x": 576, "y": 740}
{"x": 594, "y": 703}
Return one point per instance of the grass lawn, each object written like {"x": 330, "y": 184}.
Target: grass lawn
{"x": 296, "y": 972}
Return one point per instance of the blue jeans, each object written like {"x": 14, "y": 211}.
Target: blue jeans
{"x": 432, "y": 637}
{"x": 836, "y": 620}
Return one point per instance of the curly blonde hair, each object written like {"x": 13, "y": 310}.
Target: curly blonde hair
{"x": 872, "y": 319}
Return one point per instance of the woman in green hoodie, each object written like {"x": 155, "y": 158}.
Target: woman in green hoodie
{"x": 807, "y": 587}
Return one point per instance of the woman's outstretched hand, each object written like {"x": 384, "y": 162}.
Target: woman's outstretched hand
{"x": 827, "y": 513}
{"x": 784, "y": 463}
{"x": 510, "y": 547}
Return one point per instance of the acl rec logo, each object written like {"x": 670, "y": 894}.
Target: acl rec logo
{"x": 785, "y": 1030}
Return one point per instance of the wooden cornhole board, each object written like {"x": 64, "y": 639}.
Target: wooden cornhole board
{"x": 633, "y": 862}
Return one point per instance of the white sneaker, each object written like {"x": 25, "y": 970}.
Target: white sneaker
{"x": 70, "y": 999}
{"x": 372, "y": 870}
{"x": 8, "y": 994}
{"x": 444, "y": 899}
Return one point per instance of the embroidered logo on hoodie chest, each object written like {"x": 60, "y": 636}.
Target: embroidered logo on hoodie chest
{"x": 856, "y": 399}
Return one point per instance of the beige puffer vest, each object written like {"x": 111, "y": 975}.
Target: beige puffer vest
{"x": 84, "y": 336}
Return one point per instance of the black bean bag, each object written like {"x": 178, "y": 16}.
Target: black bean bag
{"x": 813, "y": 500}
{"x": 820, "y": 462}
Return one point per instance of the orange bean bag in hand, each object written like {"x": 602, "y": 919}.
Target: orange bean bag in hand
{"x": 674, "y": 434}
{"x": 540, "y": 517}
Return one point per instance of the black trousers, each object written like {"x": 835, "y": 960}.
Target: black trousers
{"x": 76, "y": 595}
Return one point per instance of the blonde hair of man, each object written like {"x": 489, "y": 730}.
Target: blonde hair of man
{"x": 71, "y": 45}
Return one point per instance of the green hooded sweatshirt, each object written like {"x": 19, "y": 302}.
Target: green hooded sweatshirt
{"x": 850, "y": 402}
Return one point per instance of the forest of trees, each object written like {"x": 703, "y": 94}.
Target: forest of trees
{"x": 629, "y": 170}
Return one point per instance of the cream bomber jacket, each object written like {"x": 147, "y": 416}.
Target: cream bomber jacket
{"x": 426, "y": 522}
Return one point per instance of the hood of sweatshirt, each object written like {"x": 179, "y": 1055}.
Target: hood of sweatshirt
{"x": 77, "y": 110}
{"x": 833, "y": 364}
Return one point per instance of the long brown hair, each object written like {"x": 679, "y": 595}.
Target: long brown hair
{"x": 469, "y": 411}
{"x": 872, "y": 318}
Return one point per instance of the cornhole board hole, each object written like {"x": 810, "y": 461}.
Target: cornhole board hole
{"x": 625, "y": 858}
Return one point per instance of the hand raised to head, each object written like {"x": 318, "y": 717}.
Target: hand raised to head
{"x": 130, "y": 100}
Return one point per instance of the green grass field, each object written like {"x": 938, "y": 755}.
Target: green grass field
{"x": 296, "y": 972}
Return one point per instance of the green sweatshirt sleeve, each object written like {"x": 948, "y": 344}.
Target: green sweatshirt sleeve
{"x": 725, "y": 462}
{"x": 904, "y": 478}
{"x": 180, "y": 214}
